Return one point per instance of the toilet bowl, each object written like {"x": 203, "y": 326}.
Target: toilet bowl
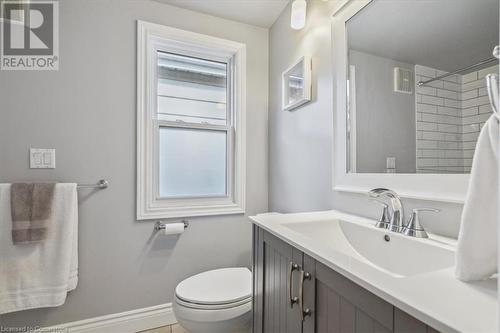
{"x": 216, "y": 301}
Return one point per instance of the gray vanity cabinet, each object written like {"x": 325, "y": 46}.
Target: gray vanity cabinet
{"x": 328, "y": 301}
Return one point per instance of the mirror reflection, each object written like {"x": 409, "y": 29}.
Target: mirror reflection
{"x": 416, "y": 90}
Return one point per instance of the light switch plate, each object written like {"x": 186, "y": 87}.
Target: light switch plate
{"x": 42, "y": 158}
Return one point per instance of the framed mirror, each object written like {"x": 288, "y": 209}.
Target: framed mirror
{"x": 410, "y": 93}
{"x": 296, "y": 84}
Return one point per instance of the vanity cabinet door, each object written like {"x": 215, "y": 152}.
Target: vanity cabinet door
{"x": 272, "y": 312}
{"x": 344, "y": 307}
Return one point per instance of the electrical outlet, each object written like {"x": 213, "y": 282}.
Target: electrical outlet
{"x": 391, "y": 163}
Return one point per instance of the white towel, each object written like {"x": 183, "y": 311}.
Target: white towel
{"x": 476, "y": 257}
{"x": 40, "y": 275}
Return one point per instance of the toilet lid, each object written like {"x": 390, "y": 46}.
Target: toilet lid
{"x": 220, "y": 286}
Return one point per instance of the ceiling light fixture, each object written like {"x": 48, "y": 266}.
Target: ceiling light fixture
{"x": 298, "y": 17}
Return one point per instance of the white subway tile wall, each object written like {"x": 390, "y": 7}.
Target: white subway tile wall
{"x": 450, "y": 114}
{"x": 476, "y": 110}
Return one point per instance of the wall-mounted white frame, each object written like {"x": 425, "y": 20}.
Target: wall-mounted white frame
{"x": 438, "y": 187}
{"x": 152, "y": 38}
{"x": 306, "y": 65}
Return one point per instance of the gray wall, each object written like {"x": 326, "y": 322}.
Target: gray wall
{"x": 385, "y": 120}
{"x": 300, "y": 142}
{"x": 87, "y": 111}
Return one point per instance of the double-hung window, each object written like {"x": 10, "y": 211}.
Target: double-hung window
{"x": 191, "y": 117}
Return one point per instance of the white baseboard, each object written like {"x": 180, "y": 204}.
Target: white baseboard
{"x": 124, "y": 322}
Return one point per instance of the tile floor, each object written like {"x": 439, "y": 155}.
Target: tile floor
{"x": 167, "y": 329}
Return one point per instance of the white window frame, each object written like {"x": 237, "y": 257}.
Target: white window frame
{"x": 152, "y": 38}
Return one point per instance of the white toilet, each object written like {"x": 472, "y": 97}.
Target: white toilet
{"x": 217, "y": 301}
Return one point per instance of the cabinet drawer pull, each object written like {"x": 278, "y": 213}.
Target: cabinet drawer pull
{"x": 303, "y": 312}
{"x": 293, "y": 299}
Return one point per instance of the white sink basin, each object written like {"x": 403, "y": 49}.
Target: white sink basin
{"x": 400, "y": 256}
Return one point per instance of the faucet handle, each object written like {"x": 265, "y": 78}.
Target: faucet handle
{"x": 413, "y": 228}
{"x": 385, "y": 218}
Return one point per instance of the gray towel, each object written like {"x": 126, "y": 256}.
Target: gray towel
{"x": 31, "y": 209}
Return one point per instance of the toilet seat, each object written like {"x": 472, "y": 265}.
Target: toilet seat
{"x": 215, "y": 301}
{"x": 211, "y": 306}
{"x": 219, "y": 288}
{"x": 207, "y": 316}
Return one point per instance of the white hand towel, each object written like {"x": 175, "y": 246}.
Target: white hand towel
{"x": 476, "y": 257}
{"x": 40, "y": 274}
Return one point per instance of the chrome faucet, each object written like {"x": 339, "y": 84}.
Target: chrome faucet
{"x": 396, "y": 220}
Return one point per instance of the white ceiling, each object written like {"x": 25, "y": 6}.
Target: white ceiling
{"x": 262, "y": 13}
{"x": 444, "y": 34}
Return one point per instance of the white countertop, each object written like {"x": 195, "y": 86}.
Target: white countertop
{"x": 436, "y": 298}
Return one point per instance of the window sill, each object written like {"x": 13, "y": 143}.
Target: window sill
{"x": 181, "y": 212}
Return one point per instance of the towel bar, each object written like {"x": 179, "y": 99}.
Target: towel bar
{"x": 101, "y": 184}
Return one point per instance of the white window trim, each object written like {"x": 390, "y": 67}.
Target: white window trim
{"x": 150, "y": 37}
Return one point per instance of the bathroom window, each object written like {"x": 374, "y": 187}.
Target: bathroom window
{"x": 194, "y": 121}
{"x": 191, "y": 112}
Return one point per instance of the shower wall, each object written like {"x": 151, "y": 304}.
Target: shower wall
{"x": 476, "y": 110}
{"x": 439, "y": 118}
{"x": 450, "y": 113}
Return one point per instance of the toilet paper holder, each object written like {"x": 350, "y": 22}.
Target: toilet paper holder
{"x": 159, "y": 225}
